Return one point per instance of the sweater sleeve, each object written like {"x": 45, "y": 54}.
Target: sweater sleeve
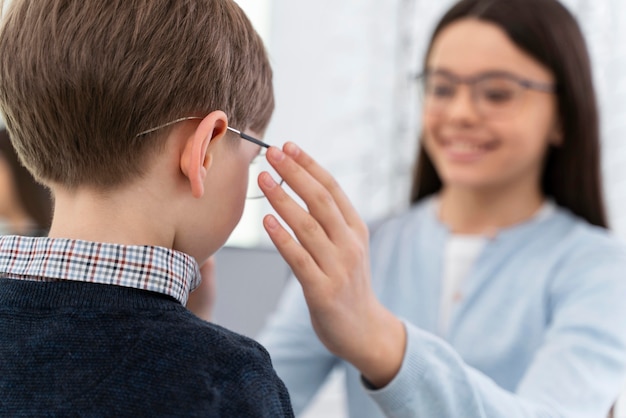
{"x": 246, "y": 385}
{"x": 577, "y": 372}
{"x": 299, "y": 358}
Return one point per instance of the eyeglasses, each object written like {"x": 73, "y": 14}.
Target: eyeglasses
{"x": 495, "y": 94}
{"x": 257, "y": 166}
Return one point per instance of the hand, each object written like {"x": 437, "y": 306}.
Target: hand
{"x": 331, "y": 261}
{"x": 202, "y": 300}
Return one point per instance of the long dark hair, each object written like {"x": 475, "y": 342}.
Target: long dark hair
{"x": 549, "y": 33}
{"x": 34, "y": 198}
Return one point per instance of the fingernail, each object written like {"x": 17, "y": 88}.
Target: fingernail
{"x": 275, "y": 154}
{"x": 291, "y": 149}
{"x": 267, "y": 180}
{"x": 271, "y": 222}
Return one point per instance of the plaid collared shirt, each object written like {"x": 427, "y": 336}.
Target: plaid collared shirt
{"x": 156, "y": 269}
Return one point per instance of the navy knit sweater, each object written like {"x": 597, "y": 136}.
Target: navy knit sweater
{"x": 90, "y": 350}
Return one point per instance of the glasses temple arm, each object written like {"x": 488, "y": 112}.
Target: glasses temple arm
{"x": 248, "y": 137}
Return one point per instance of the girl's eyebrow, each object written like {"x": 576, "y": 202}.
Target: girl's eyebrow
{"x": 487, "y": 73}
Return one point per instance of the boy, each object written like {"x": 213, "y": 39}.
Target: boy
{"x": 121, "y": 108}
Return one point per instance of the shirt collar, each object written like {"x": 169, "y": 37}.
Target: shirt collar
{"x": 156, "y": 269}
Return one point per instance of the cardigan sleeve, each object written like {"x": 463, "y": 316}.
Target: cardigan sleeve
{"x": 577, "y": 372}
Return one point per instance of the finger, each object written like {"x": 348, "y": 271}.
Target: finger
{"x": 300, "y": 261}
{"x": 306, "y": 228}
{"x": 317, "y": 198}
{"x": 348, "y": 211}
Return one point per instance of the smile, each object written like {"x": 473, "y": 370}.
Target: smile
{"x": 465, "y": 150}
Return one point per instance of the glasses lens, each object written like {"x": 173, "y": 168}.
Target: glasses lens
{"x": 498, "y": 96}
{"x": 257, "y": 166}
{"x": 437, "y": 91}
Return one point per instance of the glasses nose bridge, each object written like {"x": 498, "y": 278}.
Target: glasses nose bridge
{"x": 466, "y": 98}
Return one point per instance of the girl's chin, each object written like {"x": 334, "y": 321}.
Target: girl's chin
{"x": 469, "y": 181}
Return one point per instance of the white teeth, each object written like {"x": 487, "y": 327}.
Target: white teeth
{"x": 464, "y": 147}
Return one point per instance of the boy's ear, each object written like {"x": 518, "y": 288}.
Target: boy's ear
{"x": 196, "y": 159}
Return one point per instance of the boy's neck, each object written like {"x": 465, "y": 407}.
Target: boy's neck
{"x": 129, "y": 216}
{"x": 484, "y": 212}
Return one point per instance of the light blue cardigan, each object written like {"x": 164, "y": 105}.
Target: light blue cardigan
{"x": 540, "y": 332}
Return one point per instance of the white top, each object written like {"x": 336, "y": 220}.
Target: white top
{"x": 460, "y": 255}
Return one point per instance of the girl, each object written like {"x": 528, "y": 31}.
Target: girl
{"x": 500, "y": 292}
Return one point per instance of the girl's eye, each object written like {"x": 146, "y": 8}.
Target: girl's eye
{"x": 498, "y": 95}
{"x": 441, "y": 90}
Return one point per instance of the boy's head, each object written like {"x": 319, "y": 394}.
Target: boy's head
{"x": 86, "y": 76}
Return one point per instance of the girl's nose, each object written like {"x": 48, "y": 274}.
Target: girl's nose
{"x": 462, "y": 107}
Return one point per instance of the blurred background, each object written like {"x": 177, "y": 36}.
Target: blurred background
{"x": 344, "y": 92}
{"x": 343, "y": 74}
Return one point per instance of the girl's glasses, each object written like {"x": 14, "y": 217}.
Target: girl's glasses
{"x": 495, "y": 94}
{"x": 257, "y": 166}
